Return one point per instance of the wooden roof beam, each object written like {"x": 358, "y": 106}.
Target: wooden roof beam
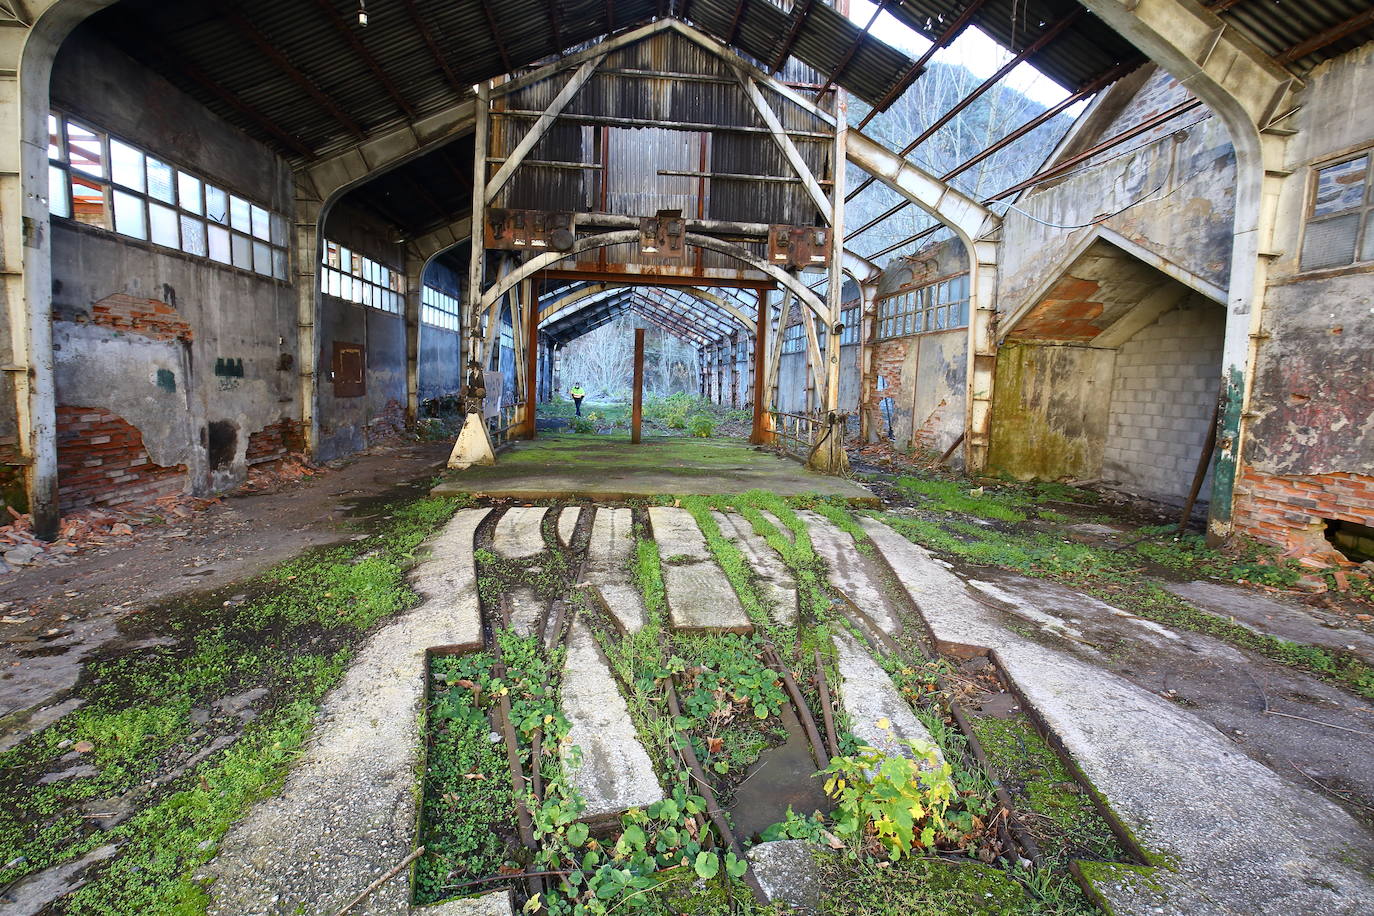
{"x": 434, "y": 51}
{"x": 496, "y": 37}
{"x": 798, "y": 20}
{"x": 350, "y": 36}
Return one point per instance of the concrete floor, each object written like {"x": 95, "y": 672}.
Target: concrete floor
{"x": 610, "y": 469}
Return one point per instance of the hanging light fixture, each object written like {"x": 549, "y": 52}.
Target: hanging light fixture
{"x": 362, "y": 12}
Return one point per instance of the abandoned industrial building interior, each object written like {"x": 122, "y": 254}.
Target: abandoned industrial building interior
{"x": 687, "y": 457}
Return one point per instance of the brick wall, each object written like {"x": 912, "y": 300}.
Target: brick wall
{"x": 147, "y": 317}
{"x": 888, "y": 359}
{"x": 1163, "y": 394}
{"x": 101, "y": 461}
{"x": 275, "y": 441}
{"x": 1291, "y": 511}
{"x": 391, "y": 422}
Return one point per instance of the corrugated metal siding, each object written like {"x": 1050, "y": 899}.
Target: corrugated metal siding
{"x": 1277, "y": 25}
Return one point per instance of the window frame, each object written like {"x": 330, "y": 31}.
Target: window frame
{"x": 145, "y": 199}
{"x": 925, "y": 309}
{"x": 366, "y": 282}
{"x": 1363, "y": 211}
{"x": 439, "y": 309}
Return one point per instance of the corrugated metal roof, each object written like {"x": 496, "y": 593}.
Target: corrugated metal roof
{"x": 1278, "y": 25}
{"x": 295, "y": 64}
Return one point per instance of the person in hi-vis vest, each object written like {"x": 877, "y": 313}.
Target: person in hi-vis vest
{"x": 577, "y": 395}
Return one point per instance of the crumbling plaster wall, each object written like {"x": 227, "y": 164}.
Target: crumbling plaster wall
{"x": 1176, "y": 194}
{"x": 350, "y": 424}
{"x": 1309, "y": 452}
{"x": 125, "y": 359}
{"x": 925, "y": 375}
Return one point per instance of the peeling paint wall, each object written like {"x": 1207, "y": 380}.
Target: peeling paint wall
{"x": 1309, "y": 450}
{"x": 139, "y": 329}
{"x": 1176, "y": 194}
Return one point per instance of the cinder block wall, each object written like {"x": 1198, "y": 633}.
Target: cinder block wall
{"x": 1163, "y": 394}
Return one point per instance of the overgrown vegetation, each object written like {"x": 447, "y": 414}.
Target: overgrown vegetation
{"x": 175, "y": 742}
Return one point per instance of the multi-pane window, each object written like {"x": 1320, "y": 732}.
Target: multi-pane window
{"x": 439, "y": 309}
{"x": 1340, "y": 224}
{"x": 937, "y": 307}
{"x": 100, "y": 180}
{"x": 794, "y": 337}
{"x": 346, "y": 274}
{"x": 849, "y": 318}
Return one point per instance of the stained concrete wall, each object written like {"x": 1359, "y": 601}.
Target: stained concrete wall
{"x": 350, "y": 424}
{"x": 1162, "y": 401}
{"x": 1175, "y": 194}
{"x": 139, "y": 329}
{"x": 1051, "y": 412}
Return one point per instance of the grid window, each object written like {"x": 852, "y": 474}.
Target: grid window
{"x": 793, "y": 339}
{"x": 439, "y": 309}
{"x": 937, "y": 307}
{"x": 849, "y": 318}
{"x": 100, "y": 180}
{"x": 1340, "y": 223}
{"x": 346, "y": 274}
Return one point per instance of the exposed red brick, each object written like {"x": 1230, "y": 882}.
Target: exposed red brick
{"x": 145, "y": 317}
{"x": 275, "y": 441}
{"x": 101, "y": 461}
{"x": 1290, "y": 511}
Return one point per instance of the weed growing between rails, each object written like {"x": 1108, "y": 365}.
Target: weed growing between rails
{"x": 174, "y": 743}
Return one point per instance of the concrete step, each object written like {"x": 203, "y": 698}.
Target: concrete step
{"x": 567, "y": 524}
{"x": 699, "y": 595}
{"x": 347, "y": 811}
{"x": 856, "y": 576}
{"x": 518, "y": 534}
{"x": 868, "y": 696}
{"x": 774, "y": 578}
{"x": 615, "y": 773}
{"x": 608, "y": 567}
{"x": 1236, "y": 837}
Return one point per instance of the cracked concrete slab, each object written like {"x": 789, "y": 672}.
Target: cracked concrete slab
{"x": 787, "y": 872}
{"x": 699, "y": 595}
{"x": 855, "y": 575}
{"x": 774, "y": 578}
{"x": 518, "y": 533}
{"x": 608, "y": 567}
{"x": 614, "y": 773}
{"x": 346, "y": 813}
{"x": 1236, "y": 838}
{"x": 1283, "y": 619}
{"x": 868, "y": 696}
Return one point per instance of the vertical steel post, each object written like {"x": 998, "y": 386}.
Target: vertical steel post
{"x": 531, "y": 306}
{"x": 760, "y": 374}
{"x": 637, "y": 411}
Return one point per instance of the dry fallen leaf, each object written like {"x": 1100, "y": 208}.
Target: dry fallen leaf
{"x": 83, "y": 747}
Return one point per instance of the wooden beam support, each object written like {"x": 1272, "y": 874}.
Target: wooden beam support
{"x": 423, "y": 29}
{"x": 800, "y": 11}
{"x": 540, "y": 128}
{"x": 350, "y": 37}
{"x": 637, "y": 408}
{"x": 785, "y": 144}
{"x": 950, "y": 33}
{"x": 531, "y": 306}
{"x": 496, "y": 37}
{"x": 758, "y": 436}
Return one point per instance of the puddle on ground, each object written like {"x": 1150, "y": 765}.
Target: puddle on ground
{"x": 783, "y": 776}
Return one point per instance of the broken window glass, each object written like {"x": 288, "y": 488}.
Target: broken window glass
{"x": 1340, "y": 187}
{"x": 128, "y": 214}
{"x": 217, "y": 204}
{"x": 88, "y": 202}
{"x": 85, "y": 150}
{"x": 1338, "y": 227}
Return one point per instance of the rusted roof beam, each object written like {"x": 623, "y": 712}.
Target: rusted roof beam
{"x": 496, "y": 36}
{"x": 275, "y": 54}
{"x": 734, "y": 23}
{"x": 798, "y": 20}
{"x": 901, "y": 86}
{"x": 1327, "y": 37}
{"x": 1222, "y": 5}
{"x": 1050, "y": 34}
{"x": 173, "y": 62}
{"x": 610, "y": 15}
{"x": 434, "y": 51}
{"x": 843, "y": 65}
{"x": 350, "y": 36}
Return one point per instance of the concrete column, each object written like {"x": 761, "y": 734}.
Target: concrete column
{"x": 415, "y": 271}
{"x": 982, "y": 352}
{"x": 310, "y": 214}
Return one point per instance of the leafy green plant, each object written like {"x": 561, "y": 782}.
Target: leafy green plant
{"x": 956, "y": 496}
{"x": 702, "y": 426}
{"x": 582, "y": 424}
{"x": 891, "y": 802}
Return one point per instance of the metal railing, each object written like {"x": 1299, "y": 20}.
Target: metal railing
{"x": 795, "y": 433}
{"x": 506, "y": 419}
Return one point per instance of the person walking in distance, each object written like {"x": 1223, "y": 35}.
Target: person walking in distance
{"x": 577, "y": 395}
